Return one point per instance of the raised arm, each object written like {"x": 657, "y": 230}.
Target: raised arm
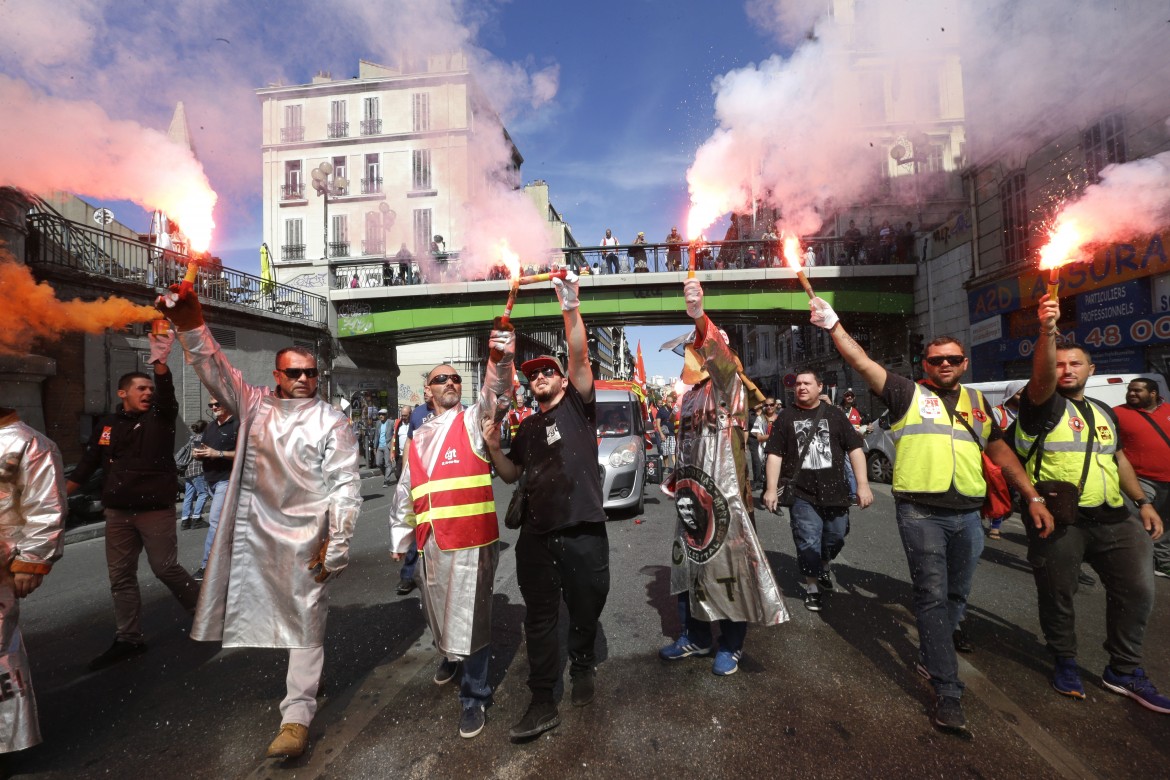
{"x": 580, "y": 372}
{"x": 871, "y": 371}
{"x": 1043, "y": 382}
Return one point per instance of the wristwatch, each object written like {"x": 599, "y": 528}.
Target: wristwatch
{"x": 1143, "y": 501}
{"x": 1038, "y": 500}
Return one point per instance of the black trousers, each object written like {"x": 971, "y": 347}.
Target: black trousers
{"x": 572, "y": 564}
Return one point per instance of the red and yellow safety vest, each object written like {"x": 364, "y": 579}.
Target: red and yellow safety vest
{"x": 455, "y": 499}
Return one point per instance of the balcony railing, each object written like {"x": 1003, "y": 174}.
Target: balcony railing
{"x": 292, "y": 252}
{"x": 292, "y": 192}
{"x": 339, "y": 249}
{"x": 371, "y": 126}
{"x": 338, "y": 129}
{"x": 371, "y": 186}
{"x": 292, "y": 134}
{"x": 373, "y": 247}
{"x": 96, "y": 254}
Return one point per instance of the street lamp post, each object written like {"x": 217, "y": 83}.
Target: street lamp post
{"x": 326, "y": 187}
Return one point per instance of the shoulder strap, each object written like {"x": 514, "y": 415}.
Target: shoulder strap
{"x": 1150, "y": 420}
{"x": 808, "y": 442}
{"x": 1091, "y": 423}
{"x": 954, "y": 416}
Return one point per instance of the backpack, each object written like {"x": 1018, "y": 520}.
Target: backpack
{"x": 183, "y": 456}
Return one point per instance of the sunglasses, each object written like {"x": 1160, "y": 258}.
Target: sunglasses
{"x": 297, "y": 373}
{"x": 547, "y": 371}
{"x": 954, "y": 360}
{"x": 442, "y": 379}
{"x": 769, "y": 406}
{"x": 213, "y": 406}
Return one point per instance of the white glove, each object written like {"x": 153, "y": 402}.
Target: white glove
{"x": 823, "y": 315}
{"x": 503, "y": 341}
{"x": 160, "y": 346}
{"x": 568, "y": 290}
{"x": 693, "y": 293}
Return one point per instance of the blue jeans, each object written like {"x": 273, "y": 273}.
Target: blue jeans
{"x": 473, "y": 686}
{"x": 819, "y": 533}
{"x": 850, "y": 477}
{"x": 611, "y": 263}
{"x": 218, "y": 491}
{"x": 409, "y": 563}
{"x": 731, "y": 633}
{"x": 195, "y": 493}
{"x": 942, "y": 547}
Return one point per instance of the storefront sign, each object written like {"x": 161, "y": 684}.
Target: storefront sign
{"x": 1160, "y": 287}
{"x": 987, "y": 330}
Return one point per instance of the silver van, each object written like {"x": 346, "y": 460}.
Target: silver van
{"x": 621, "y": 449}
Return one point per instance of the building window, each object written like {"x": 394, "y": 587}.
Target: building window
{"x": 1014, "y": 204}
{"x": 339, "y": 246}
{"x": 421, "y": 177}
{"x": 338, "y": 127}
{"x": 421, "y": 111}
{"x": 371, "y": 117}
{"x": 294, "y": 240}
{"x": 294, "y": 128}
{"x": 373, "y": 244}
{"x": 1104, "y": 144}
{"x": 339, "y": 173}
{"x": 934, "y": 158}
{"x": 294, "y": 186}
{"x": 372, "y": 182}
{"x": 422, "y": 231}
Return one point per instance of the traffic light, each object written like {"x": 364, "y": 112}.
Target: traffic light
{"x": 916, "y": 348}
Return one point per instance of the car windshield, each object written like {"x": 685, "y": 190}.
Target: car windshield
{"x": 613, "y": 419}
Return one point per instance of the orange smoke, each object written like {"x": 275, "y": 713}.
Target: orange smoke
{"x": 32, "y": 311}
{"x": 1066, "y": 242}
{"x": 510, "y": 259}
{"x": 792, "y": 254}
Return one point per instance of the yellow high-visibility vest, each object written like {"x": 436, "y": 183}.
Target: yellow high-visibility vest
{"x": 1064, "y": 455}
{"x": 934, "y": 452}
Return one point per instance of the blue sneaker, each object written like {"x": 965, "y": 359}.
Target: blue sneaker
{"x": 1137, "y": 687}
{"x": 682, "y": 648}
{"x": 1066, "y": 678}
{"x": 726, "y": 662}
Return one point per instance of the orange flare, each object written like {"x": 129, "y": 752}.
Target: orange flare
{"x": 560, "y": 273}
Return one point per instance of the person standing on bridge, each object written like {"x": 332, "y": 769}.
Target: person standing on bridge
{"x": 939, "y": 430}
{"x": 718, "y": 569}
{"x": 289, "y": 513}
{"x": 612, "y": 263}
{"x": 563, "y": 549}
{"x": 1071, "y": 445}
{"x": 445, "y": 508}
{"x": 32, "y": 515}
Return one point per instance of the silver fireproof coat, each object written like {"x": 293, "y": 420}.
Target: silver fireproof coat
{"x": 294, "y": 487}
{"x": 32, "y": 513}
{"x": 455, "y": 585}
{"x": 716, "y": 556}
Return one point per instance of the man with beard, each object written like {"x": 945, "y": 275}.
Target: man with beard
{"x": 445, "y": 508}
{"x": 820, "y": 511}
{"x": 1069, "y": 438}
{"x": 939, "y": 430}
{"x": 288, "y": 515}
{"x": 1144, "y": 425}
{"x": 563, "y": 550}
{"x": 719, "y": 571}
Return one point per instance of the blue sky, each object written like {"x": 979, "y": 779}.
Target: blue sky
{"x": 634, "y": 99}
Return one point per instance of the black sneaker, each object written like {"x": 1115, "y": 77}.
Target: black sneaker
{"x": 824, "y": 581}
{"x": 540, "y": 717}
{"x": 472, "y": 720}
{"x": 448, "y": 670}
{"x": 119, "y": 651}
{"x": 198, "y": 575}
{"x": 199, "y": 522}
{"x": 405, "y": 587}
{"x": 948, "y": 714}
{"x": 582, "y": 690}
{"x": 812, "y": 602}
{"x": 185, "y": 524}
{"x": 962, "y": 643}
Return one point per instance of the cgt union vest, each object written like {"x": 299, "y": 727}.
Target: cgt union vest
{"x": 932, "y": 450}
{"x": 455, "y": 501}
{"x": 1064, "y": 455}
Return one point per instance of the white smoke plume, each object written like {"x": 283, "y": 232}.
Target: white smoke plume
{"x": 803, "y": 132}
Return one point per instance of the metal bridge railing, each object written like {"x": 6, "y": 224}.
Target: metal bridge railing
{"x": 56, "y": 241}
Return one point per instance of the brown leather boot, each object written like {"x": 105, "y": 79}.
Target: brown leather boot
{"x": 290, "y": 742}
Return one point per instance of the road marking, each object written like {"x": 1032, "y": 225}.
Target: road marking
{"x": 1048, "y": 747}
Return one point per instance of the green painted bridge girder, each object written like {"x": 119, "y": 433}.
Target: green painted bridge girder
{"x": 440, "y": 312}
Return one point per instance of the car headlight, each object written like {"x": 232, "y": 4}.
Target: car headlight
{"x": 623, "y": 455}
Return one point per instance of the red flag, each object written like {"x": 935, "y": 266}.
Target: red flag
{"x": 640, "y": 368}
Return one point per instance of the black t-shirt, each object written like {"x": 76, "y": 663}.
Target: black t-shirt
{"x": 1032, "y": 421}
{"x": 663, "y": 414}
{"x": 897, "y": 396}
{"x": 222, "y": 438}
{"x": 821, "y": 480}
{"x": 558, "y": 451}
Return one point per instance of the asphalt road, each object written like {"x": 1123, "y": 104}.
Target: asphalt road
{"x": 824, "y": 695}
